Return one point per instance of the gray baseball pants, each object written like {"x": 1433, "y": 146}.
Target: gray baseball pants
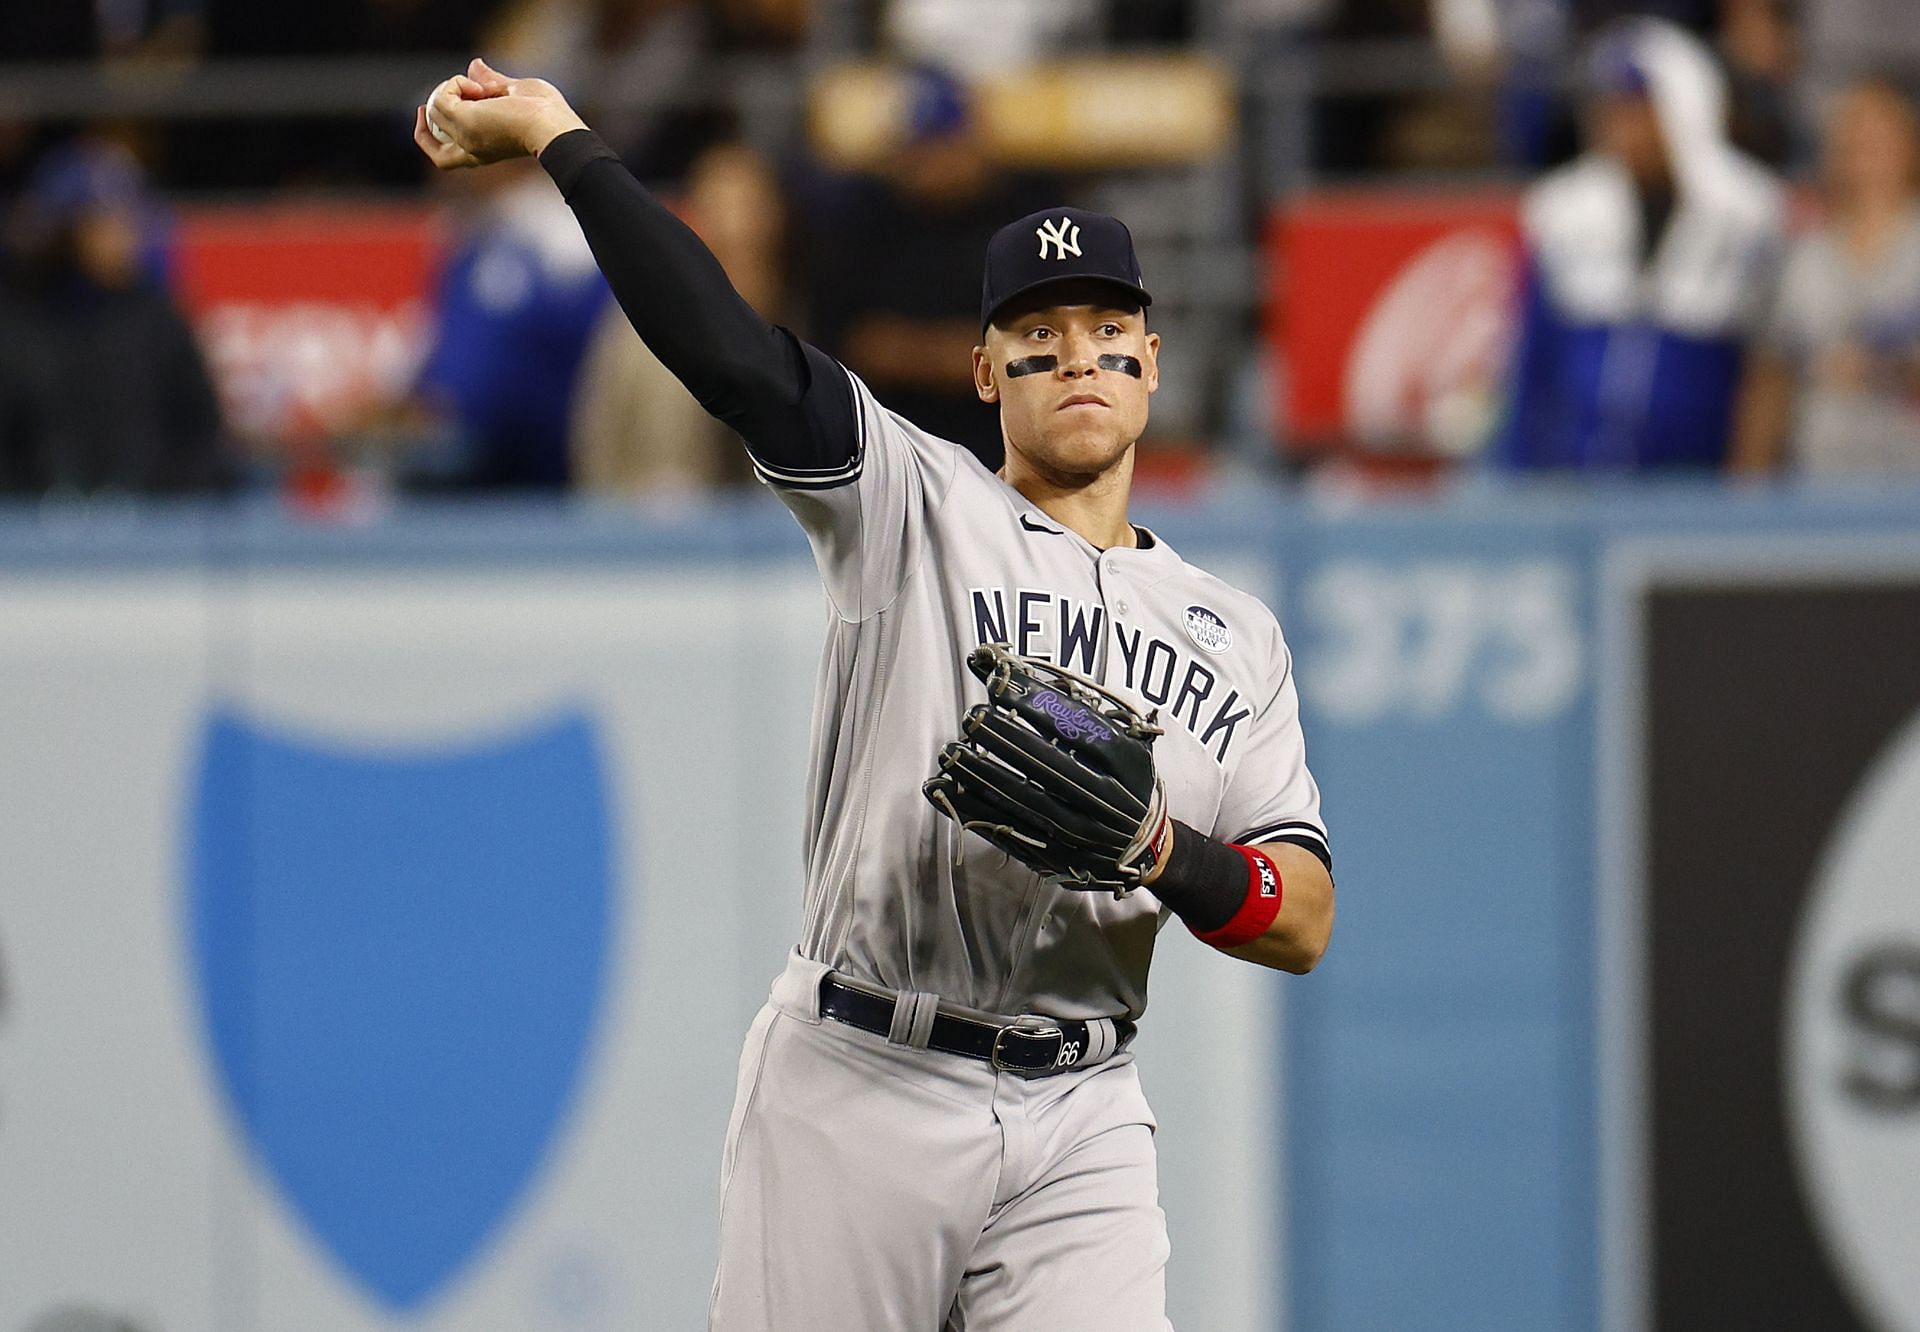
{"x": 873, "y": 1187}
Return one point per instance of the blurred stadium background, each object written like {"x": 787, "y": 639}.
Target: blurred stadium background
{"x": 405, "y": 689}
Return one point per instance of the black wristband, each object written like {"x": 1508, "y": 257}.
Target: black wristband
{"x": 1204, "y": 881}
{"x": 571, "y": 153}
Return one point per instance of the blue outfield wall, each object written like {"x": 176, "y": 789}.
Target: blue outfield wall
{"x": 1441, "y": 1074}
{"x": 1437, "y": 1078}
{"x": 1439, "y": 1091}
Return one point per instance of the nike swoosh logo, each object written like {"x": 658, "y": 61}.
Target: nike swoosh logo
{"x": 1032, "y": 526}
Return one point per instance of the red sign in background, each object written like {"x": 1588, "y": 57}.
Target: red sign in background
{"x": 311, "y": 317}
{"x": 1394, "y": 313}
{"x": 1392, "y": 309}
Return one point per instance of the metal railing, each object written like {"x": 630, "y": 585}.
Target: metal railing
{"x": 766, "y": 91}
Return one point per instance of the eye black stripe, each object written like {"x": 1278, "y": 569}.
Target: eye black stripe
{"x": 1126, "y": 365}
{"x": 1032, "y": 365}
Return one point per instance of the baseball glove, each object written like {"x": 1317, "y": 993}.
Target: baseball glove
{"x": 1057, "y": 772}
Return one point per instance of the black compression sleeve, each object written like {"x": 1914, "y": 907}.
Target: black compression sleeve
{"x": 1204, "y": 881}
{"x": 791, "y": 402}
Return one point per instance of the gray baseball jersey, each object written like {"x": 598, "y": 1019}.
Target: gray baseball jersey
{"x": 926, "y": 554}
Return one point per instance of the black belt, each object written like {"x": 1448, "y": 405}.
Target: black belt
{"x": 1028, "y": 1051}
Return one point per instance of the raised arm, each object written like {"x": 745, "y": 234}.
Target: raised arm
{"x": 792, "y": 403}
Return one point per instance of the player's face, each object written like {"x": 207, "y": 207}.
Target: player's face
{"x": 1072, "y": 382}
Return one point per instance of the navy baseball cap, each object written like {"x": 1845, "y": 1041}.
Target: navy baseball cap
{"x": 1060, "y": 245}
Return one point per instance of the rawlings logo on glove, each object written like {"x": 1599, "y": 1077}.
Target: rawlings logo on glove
{"x": 1075, "y": 721}
{"x": 1057, "y": 772}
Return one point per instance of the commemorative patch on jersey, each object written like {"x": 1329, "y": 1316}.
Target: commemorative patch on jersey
{"x": 1208, "y": 631}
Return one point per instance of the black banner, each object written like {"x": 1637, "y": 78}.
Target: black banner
{"x": 1765, "y": 706}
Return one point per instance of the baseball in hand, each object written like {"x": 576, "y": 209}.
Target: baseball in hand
{"x": 432, "y": 124}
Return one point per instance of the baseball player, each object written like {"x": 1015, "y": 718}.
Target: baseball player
{"x": 1038, "y": 734}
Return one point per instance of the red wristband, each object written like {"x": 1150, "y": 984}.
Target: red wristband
{"x": 1257, "y": 912}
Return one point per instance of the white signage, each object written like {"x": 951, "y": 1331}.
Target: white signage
{"x": 1853, "y": 1042}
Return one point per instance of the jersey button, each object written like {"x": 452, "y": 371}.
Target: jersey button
{"x": 1120, "y": 606}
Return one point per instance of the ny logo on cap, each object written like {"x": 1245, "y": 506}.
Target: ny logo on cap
{"x": 1063, "y": 236}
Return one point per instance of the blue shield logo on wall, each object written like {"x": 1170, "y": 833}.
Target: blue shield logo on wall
{"x": 400, "y": 959}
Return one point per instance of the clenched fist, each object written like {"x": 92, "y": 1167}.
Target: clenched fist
{"x": 487, "y": 117}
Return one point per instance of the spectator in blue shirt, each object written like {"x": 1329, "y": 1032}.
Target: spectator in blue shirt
{"x": 1649, "y": 260}
{"x": 518, "y": 301}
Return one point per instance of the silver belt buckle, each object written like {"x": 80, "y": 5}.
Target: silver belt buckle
{"x": 1037, "y": 1033}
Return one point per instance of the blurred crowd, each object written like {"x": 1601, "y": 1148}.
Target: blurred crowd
{"x": 1719, "y": 215}
{"x": 1673, "y": 317}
